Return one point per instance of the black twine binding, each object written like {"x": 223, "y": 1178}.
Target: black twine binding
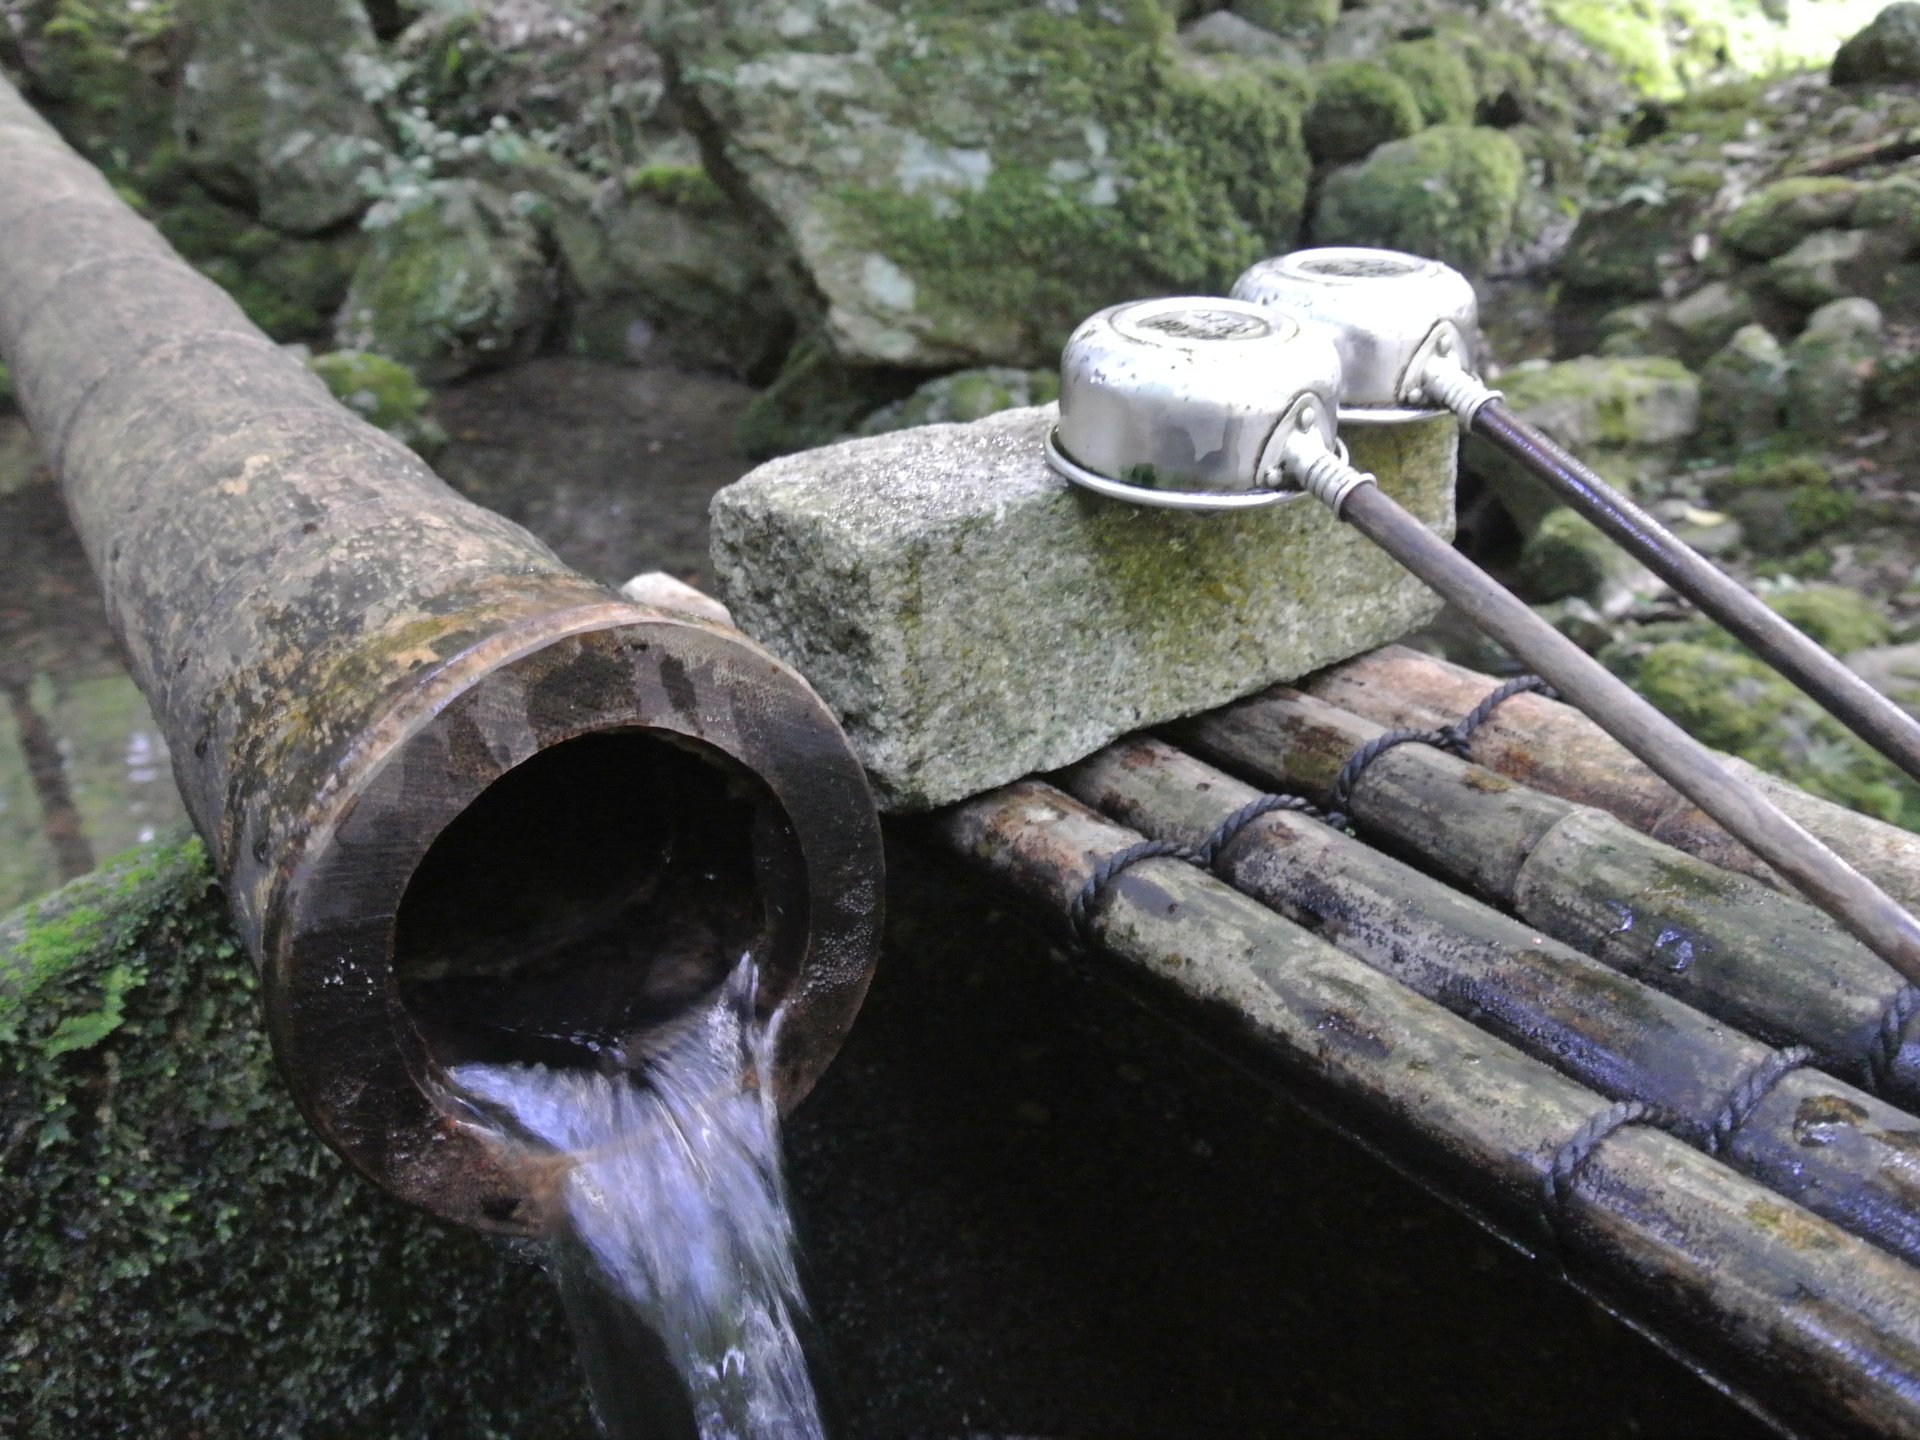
{"x": 1885, "y": 1049}
{"x": 1745, "y": 1097}
{"x": 1080, "y": 912}
{"x": 1570, "y": 1158}
{"x": 1453, "y": 739}
{"x": 1230, "y": 828}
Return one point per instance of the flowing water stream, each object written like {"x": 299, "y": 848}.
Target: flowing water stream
{"x": 673, "y": 1247}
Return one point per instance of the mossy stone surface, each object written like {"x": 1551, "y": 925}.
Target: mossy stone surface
{"x": 382, "y": 392}
{"x": 962, "y": 185}
{"x": 1779, "y": 216}
{"x": 271, "y": 112}
{"x": 1830, "y": 364}
{"x": 1743, "y": 391}
{"x": 1568, "y": 558}
{"x": 1441, "y": 83}
{"x": 1357, "y": 108}
{"x": 456, "y": 281}
{"x": 183, "y": 1256}
{"x": 971, "y": 617}
{"x": 965, "y": 396}
{"x": 1289, "y": 17}
{"x": 1450, "y": 192}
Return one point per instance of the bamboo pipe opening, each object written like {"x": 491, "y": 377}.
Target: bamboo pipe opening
{"x": 591, "y": 894}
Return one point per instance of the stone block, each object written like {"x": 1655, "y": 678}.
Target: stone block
{"x": 971, "y": 618}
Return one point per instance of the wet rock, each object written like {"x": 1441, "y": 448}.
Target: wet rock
{"x": 1830, "y": 364}
{"x": 457, "y": 281}
{"x": 1631, "y": 247}
{"x": 1450, "y": 192}
{"x": 271, "y": 111}
{"x": 1830, "y": 265}
{"x": 965, "y": 396}
{"x": 1743, "y": 391}
{"x": 1356, "y": 109}
{"x": 962, "y": 186}
{"x": 1779, "y": 216}
{"x": 384, "y": 393}
{"x": 1886, "y": 52}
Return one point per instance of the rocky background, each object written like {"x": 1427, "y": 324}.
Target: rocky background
{"x": 1697, "y": 224}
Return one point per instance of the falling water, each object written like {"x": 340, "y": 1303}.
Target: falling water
{"x": 674, "y": 1250}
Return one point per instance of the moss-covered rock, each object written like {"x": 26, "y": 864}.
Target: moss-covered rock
{"x": 1441, "y": 83}
{"x": 1449, "y": 192}
{"x": 290, "y": 286}
{"x": 1784, "y": 502}
{"x": 1830, "y": 265}
{"x": 1743, "y": 391}
{"x": 964, "y": 396}
{"x": 271, "y": 112}
{"x": 1735, "y": 703}
{"x": 963, "y": 185}
{"x": 816, "y": 398}
{"x": 1699, "y": 325}
{"x": 1830, "y": 364}
{"x": 1887, "y": 52}
{"x": 1779, "y": 216}
{"x": 382, "y": 392}
{"x": 1357, "y": 108}
{"x": 1840, "y": 619}
{"x": 1891, "y": 205}
{"x": 1568, "y": 558}
{"x": 457, "y": 280}
{"x": 183, "y": 1256}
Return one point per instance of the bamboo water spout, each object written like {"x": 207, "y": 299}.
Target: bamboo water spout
{"x": 416, "y": 743}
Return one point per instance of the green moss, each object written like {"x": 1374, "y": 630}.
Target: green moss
{"x": 1842, "y": 620}
{"x": 1668, "y": 47}
{"x": 1773, "y": 220}
{"x": 1358, "y": 107}
{"x": 1449, "y": 192}
{"x": 6, "y": 386}
{"x": 1439, "y": 79}
{"x": 1772, "y": 469}
{"x": 1735, "y": 703}
{"x": 964, "y": 396}
{"x": 1568, "y": 557}
{"x": 183, "y": 1256}
{"x": 1190, "y": 177}
{"x": 684, "y": 187}
{"x": 1608, "y": 402}
{"x": 383, "y": 392}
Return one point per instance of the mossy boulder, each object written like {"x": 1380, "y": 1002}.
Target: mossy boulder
{"x": 1625, "y": 416}
{"x": 1779, "y": 216}
{"x": 1891, "y": 205}
{"x": 1735, "y": 703}
{"x": 1568, "y": 558}
{"x": 271, "y": 112}
{"x": 384, "y": 393}
{"x": 1356, "y": 109}
{"x": 1450, "y": 192}
{"x": 1887, "y": 52}
{"x": 1830, "y": 365}
{"x": 1743, "y": 391}
{"x": 1830, "y": 265}
{"x": 1699, "y": 325}
{"x": 1784, "y": 502}
{"x": 1441, "y": 83}
{"x": 290, "y": 286}
{"x": 963, "y": 185}
{"x": 183, "y": 1256}
{"x": 456, "y": 280}
{"x": 1630, "y": 242}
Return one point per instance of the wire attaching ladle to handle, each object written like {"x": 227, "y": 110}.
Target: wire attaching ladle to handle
{"x": 1407, "y": 330}
{"x": 1218, "y": 401}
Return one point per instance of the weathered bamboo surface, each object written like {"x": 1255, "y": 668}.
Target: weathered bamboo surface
{"x": 1604, "y": 1029}
{"x": 1726, "y": 944}
{"x": 345, "y": 655}
{"x": 1554, "y": 748}
{"x": 1820, "y": 1330}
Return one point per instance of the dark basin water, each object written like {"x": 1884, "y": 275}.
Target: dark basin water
{"x": 1028, "y": 1208}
